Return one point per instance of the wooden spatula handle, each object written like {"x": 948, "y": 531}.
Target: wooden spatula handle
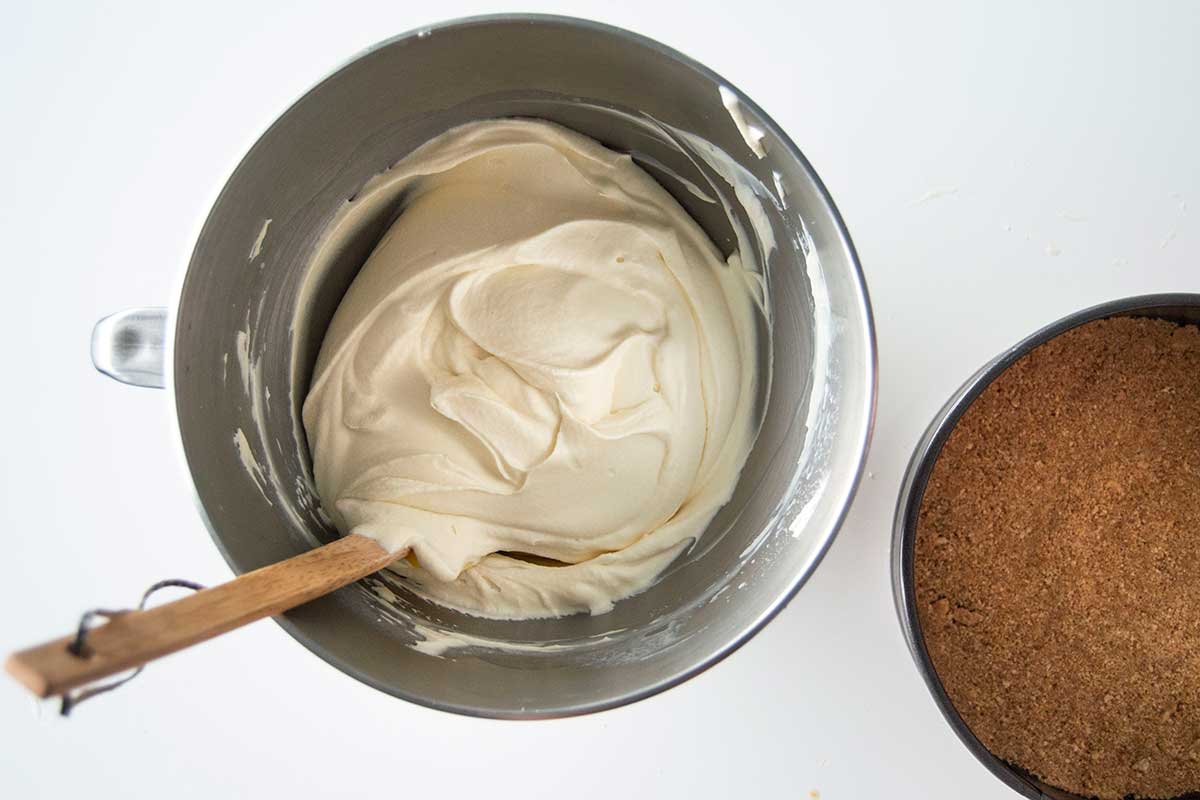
{"x": 132, "y": 639}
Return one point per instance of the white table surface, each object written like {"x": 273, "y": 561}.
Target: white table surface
{"x": 999, "y": 166}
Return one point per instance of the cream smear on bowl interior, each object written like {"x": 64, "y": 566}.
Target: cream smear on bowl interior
{"x": 542, "y": 382}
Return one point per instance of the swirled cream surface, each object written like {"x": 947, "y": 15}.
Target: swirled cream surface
{"x": 541, "y": 384}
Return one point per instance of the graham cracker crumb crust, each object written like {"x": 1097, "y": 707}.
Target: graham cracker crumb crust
{"x": 1057, "y": 561}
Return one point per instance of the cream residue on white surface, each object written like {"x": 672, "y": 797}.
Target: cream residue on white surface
{"x": 544, "y": 356}
{"x": 936, "y": 193}
{"x": 752, "y": 134}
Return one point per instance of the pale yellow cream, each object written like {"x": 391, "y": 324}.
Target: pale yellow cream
{"x": 545, "y": 356}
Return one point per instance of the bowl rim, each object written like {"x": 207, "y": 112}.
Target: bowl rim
{"x": 912, "y": 494}
{"x": 867, "y": 408}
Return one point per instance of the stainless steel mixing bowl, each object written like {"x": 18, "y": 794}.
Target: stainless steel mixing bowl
{"x": 1182, "y": 308}
{"x": 239, "y": 345}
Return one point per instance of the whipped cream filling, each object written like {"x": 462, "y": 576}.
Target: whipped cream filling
{"x": 541, "y": 384}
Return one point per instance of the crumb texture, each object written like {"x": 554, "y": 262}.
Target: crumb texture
{"x": 1057, "y": 561}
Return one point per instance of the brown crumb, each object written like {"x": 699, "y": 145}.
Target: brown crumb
{"x": 1056, "y": 561}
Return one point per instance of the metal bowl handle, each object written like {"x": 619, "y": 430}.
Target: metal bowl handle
{"x": 130, "y": 346}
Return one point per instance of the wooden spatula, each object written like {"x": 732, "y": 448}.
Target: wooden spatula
{"x": 134, "y": 638}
